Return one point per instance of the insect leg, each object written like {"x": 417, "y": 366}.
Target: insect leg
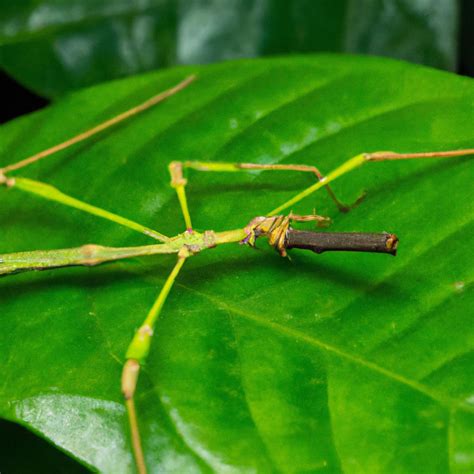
{"x": 359, "y": 160}
{"x": 391, "y": 155}
{"x": 51, "y": 193}
{"x": 136, "y": 356}
{"x": 219, "y": 166}
{"x": 178, "y": 182}
{"x": 99, "y": 128}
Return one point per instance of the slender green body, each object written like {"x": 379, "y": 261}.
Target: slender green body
{"x": 91, "y": 254}
{"x": 87, "y": 255}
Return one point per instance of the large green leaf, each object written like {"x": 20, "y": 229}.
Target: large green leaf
{"x": 338, "y": 362}
{"x": 53, "y": 46}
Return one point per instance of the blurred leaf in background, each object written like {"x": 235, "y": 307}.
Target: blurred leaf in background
{"x": 54, "y": 46}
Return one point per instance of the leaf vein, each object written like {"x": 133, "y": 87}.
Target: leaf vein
{"x": 315, "y": 342}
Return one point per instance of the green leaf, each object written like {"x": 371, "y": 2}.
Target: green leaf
{"x": 54, "y": 46}
{"x": 342, "y": 362}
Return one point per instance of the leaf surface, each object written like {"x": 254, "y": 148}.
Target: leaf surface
{"x": 333, "y": 362}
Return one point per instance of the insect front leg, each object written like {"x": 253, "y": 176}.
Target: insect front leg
{"x": 47, "y": 191}
{"x": 321, "y": 221}
{"x": 100, "y": 127}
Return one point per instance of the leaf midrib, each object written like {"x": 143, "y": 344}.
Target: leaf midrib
{"x": 315, "y": 342}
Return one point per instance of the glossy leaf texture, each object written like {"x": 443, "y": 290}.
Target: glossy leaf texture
{"x": 54, "y": 46}
{"x": 334, "y": 362}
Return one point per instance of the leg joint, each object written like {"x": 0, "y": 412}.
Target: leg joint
{"x": 130, "y": 373}
{"x": 176, "y": 172}
{"x": 5, "y": 180}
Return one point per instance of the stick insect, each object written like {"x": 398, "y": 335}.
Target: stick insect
{"x": 273, "y": 225}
